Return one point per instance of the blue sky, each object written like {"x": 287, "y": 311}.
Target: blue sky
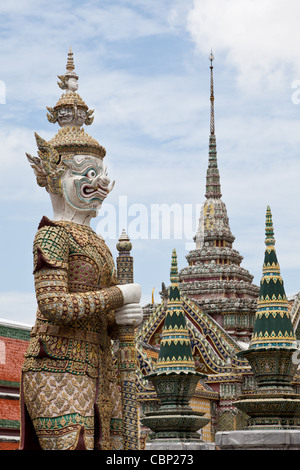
{"x": 143, "y": 66}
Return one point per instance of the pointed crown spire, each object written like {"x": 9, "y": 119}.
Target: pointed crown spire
{"x": 70, "y": 67}
{"x": 71, "y": 113}
{"x": 65, "y": 83}
{"x": 272, "y": 326}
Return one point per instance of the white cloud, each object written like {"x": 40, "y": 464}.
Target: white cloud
{"x": 161, "y": 107}
{"x": 260, "y": 38}
{"x": 19, "y": 183}
{"x": 117, "y": 22}
{"x": 35, "y": 34}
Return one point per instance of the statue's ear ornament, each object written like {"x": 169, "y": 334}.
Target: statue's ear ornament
{"x": 62, "y": 83}
{"x": 37, "y": 166}
{"x": 89, "y": 117}
{"x": 48, "y": 166}
{"x": 52, "y": 116}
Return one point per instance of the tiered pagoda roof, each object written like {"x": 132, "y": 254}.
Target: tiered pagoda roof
{"x": 214, "y": 277}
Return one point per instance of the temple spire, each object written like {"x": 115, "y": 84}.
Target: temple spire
{"x": 269, "y": 240}
{"x": 273, "y": 326}
{"x": 212, "y": 97}
{"x": 215, "y": 278}
{"x": 175, "y": 353}
{"x": 213, "y": 186}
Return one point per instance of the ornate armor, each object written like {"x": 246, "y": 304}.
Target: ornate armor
{"x": 70, "y": 396}
{"x": 70, "y": 347}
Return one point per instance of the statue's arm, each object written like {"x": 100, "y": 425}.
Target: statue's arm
{"x": 58, "y": 305}
{"x": 51, "y": 252}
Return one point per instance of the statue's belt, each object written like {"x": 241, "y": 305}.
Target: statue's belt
{"x": 64, "y": 332}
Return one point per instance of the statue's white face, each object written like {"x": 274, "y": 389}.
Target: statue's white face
{"x": 85, "y": 184}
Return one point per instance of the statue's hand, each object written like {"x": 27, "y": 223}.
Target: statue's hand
{"x": 129, "y": 314}
{"x": 131, "y": 293}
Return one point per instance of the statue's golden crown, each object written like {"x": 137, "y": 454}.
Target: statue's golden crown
{"x": 70, "y": 112}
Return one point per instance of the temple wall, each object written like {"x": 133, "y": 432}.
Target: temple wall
{"x": 14, "y": 339}
{"x": 200, "y": 404}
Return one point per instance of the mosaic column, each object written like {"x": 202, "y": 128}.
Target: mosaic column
{"x": 127, "y": 353}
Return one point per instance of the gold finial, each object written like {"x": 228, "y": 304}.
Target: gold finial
{"x": 70, "y": 74}
{"x": 70, "y": 62}
{"x": 212, "y": 98}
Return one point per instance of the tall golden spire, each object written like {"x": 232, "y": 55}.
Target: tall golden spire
{"x": 213, "y": 186}
{"x": 212, "y": 98}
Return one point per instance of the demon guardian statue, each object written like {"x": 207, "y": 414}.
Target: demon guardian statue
{"x": 70, "y": 398}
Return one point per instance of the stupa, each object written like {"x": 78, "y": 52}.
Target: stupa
{"x": 214, "y": 278}
{"x": 175, "y": 424}
{"x": 219, "y": 301}
{"x": 273, "y": 407}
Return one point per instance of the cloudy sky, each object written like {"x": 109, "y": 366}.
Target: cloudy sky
{"x": 143, "y": 66}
